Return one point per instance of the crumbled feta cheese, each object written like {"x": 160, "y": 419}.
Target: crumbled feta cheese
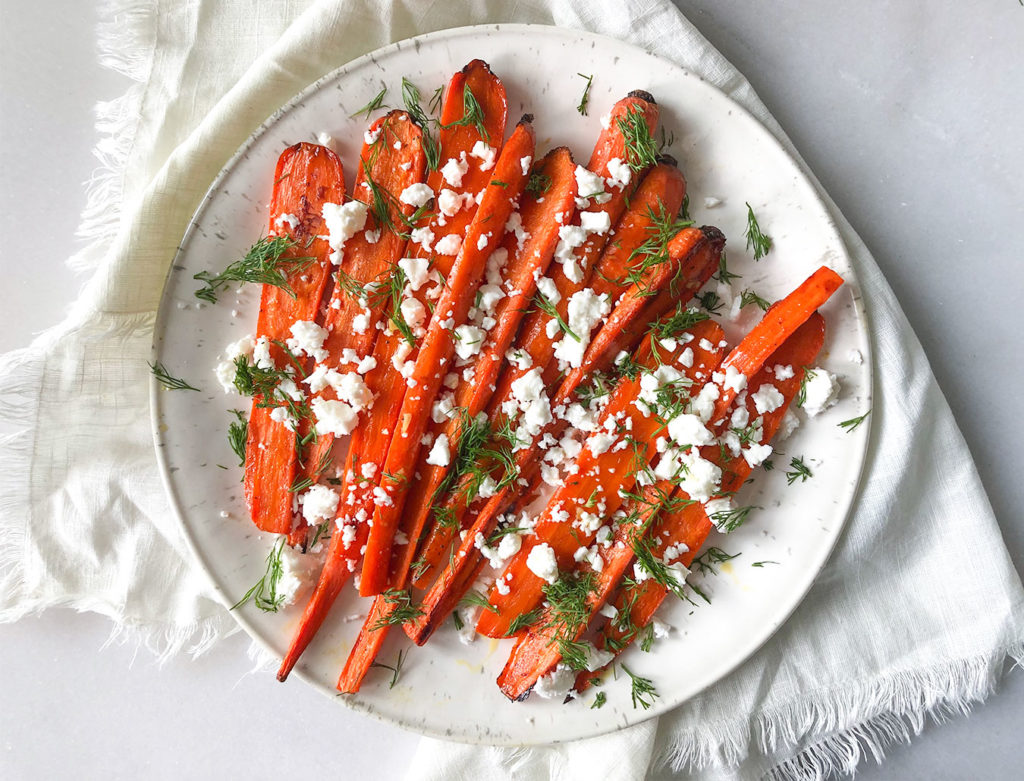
{"x": 710, "y": 202}
{"x": 730, "y": 379}
{"x": 370, "y": 136}
{"x": 783, "y": 372}
{"x": 333, "y": 417}
{"x": 533, "y": 404}
{"x": 307, "y": 339}
{"x": 416, "y": 195}
{"x": 343, "y": 221}
{"x": 525, "y": 163}
{"x": 789, "y": 423}
{"x": 440, "y": 455}
{"x": 261, "y": 354}
{"x": 454, "y": 170}
{"x": 597, "y": 659}
{"x": 416, "y": 271}
{"x": 287, "y": 219}
{"x": 557, "y": 684}
{"x": 283, "y": 416}
{"x": 468, "y": 341}
{"x": 325, "y": 139}
{"x": 542, "y": 563}
{"x": 588, "y": 184}
{"x": 856, "y": 357}
{"x": 413, "y": 312}
{"x": 570, "y": 237}
{"x": 767, "y": 399}
{"x": 449, "y": 245}
{"x": 586, "y": 309}
{"x": 319, "y": 504}
{"x": 485, "y": 154}
{"x": 619, "y": 173}
{"x": 595, "y": 222}
{"x": 755, "y": 454}
{"x": 821, "y": 390}
{"x": 600, "y": 442}
{"x": 688, "y": 430}
{"x": 368, "y": 470}
{"x": 547, "y": 288}
{"x": 449, "y": 202}
{"x": 424, "y": 237}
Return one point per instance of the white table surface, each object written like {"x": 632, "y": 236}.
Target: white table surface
{"x": 910, "y": 115}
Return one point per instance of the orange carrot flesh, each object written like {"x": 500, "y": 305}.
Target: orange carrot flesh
{"x": 393, "y": 162}
{"x": 392, "y": 170}
{"x": 307, "y": 177}
{"x": 484, "y": 518}
{"x": 689, "y": 526}
{"x": 593, "y": 492}
{"x": 661, "y": 191}
{"x": 528, "y": 259}
{"x": 610, "y": 145}
{"x": 370, "y": 439}
{"x": 437, "y": 350}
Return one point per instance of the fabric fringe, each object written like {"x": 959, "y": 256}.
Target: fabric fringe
{"x": 21, "y": 374}
{"x": 893, "y": 710}
{"x": 126, "y": 43}
{"x": 166, "y": 642}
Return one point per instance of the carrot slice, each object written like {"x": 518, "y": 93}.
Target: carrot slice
{"x": 594, "y": 491}
{"x": 307, "y": 177}
{"x": 687, "y": 527}
{"x": 391, "y": 170}
{"x": 528, "y": 260}
{"x": 438, "y": 348}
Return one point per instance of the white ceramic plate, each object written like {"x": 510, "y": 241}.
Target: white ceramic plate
{"x": 447, "y": 689}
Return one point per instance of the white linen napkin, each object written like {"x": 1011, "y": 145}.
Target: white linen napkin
{"x": 84, "y": 522}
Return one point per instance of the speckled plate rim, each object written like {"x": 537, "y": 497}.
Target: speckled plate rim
{"x": 810, "y": 572}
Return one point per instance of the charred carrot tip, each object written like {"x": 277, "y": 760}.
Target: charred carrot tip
{"x": 643, "y": 94}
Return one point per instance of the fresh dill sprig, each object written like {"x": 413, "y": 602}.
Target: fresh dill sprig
{"x": 543, "y": 303}
{"x": 538, "y": 183}
{"x": 252, "y": 380}
{"x": 768, "y": 465}
{"x": 238, "y": 433}
{"x": 643, "y": 550}
{"x": 472, "y": 114}
{"x": 629, "y": 368}
{"x": 748, "y": 297}
{"x": 683, "y": 319}
{"x": 757, "y": 240}
{"x": 724, "y": 275}
{"x": 396, "y": 668}
{"x": 599, "y": 701}
{"x": 597, "y": 388}
{"x": 582, "y": 107}
{"x": 497, "y": 534}
{"x": 705, "y": 563}
{"x": 264, "y": 594}
{"x": 641, "y": 151}
{"x": 522, "y": 621}
{"x": 798, "y": 471}
{"x": 762, "y": 563}
{"x": 165, "y": 378}
{"x": 401, "y": 609}
{"x": 418, "y": 567}
{"x": 710, "y": 300}
{"x": 654, "y": 249}
{"x": 264, "y": 263}
{"x": 376, "y": 102}
{"x": 475, "y": 598}
{"x": 319, "y": 533}
{"x": 457, "y": 621}
{"x": 853, "y": 423}
{"x": 384, "y": 291}
{"x": 648, "y": 639}
{"x": 569, "y": 608}
{"x": 801, "y": 395}
{"x": 731, "y": 520}
{"x": 642, "y": 689}
{"x": 411, "y": 98}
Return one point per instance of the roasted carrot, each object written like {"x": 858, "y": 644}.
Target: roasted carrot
{"x": 528, "y": 251}
{"x": 687, "y": 527}
{"x": 371, "y": 437}
{"x": 438, "y": 348}
{"x": 631, "y": 262}
{"x": 391, "y": 170}
{"x": 307, "y": 177}
{"x": 603, "y": 472}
